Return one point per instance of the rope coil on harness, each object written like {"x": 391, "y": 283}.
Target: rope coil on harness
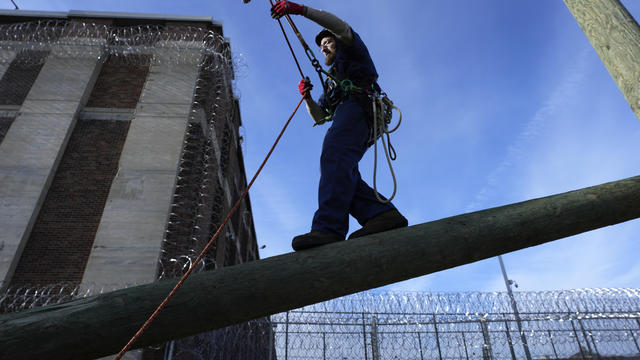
{"x": 382, "y": 119}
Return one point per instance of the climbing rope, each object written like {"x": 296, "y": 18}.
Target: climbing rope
{"x": 206, "y": 248}
{"x": 162, "y": 305}
{"x": 307, "y": 50}
{"x": 286, "y": 38}
{"x": 381, "y": 119}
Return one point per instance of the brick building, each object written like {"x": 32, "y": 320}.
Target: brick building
{"x": 119, "y": 153}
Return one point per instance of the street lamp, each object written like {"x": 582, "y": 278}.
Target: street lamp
{"x": 512, "y": 299}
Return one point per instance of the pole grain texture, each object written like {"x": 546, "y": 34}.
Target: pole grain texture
{"x": 101, "y": 325}
{"x": 615, "y": 35}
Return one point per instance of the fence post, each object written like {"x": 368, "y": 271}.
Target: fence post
{"x": 272, "y": 335}
{"x": 634, "y": 337}
{"x": 324, "y": 346}
{"x": 375, "y": 350}
{"x": 513, "y": 353}
{"x": 553, "y": 346}
{"x": 577, "y": 338}
{"x": 464, "y": 343}
{"x": 420, "y": 344}
{"x": 364, "y": 337}
{"x": 584, "y": 334}
{"x": 487, "y": 354}
{"x": 286, "y": 338}
{"x": 435, "y": 326}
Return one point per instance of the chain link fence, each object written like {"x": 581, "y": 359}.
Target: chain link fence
{"x": 576, "y": 324}
{"x": 581, "y": 324}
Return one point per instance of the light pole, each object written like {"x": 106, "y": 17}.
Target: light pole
{"x": 508, "y": 283}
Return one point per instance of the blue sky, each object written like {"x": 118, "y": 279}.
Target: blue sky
{"x": 503, "y": 101}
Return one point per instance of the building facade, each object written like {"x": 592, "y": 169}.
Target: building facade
{"x": 120, "y": 154}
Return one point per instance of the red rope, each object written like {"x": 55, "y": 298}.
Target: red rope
{"x": 206, "y": 248}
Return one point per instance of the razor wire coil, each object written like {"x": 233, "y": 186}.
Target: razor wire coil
{"x": 461, "y": 325}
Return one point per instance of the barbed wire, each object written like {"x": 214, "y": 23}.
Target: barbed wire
{"x": 200, "y": 195}
{"x": 134, "y": 44}
{"x": 439, "y": 325}
{"x": 479, "y": 325}
{"x": 596, "y": 304}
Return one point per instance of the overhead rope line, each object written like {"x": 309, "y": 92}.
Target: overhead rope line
{"x": 295, "y": 58}
{"x": 206, "y": 248}
{"x": 307, "y": 50}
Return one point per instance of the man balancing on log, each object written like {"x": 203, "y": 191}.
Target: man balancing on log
{"x": 342, "y": 191}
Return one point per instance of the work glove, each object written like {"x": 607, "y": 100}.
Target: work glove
{"x": 284, "y": 7}
{"x": 305, "y": 87}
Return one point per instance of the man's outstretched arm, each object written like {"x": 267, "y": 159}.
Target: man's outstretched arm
{"x": 327, "y": 20}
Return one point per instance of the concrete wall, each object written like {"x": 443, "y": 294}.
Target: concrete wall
{"x": 129, "y": 237}
{"x": 32, "y": 147}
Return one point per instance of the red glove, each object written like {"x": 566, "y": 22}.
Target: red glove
{"x": 284, "y": 7}
{"x": 305, "y": 87}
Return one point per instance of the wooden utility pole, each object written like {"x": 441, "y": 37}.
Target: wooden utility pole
{"x": 615, "y": 36}
{"x": 97, "y": 326}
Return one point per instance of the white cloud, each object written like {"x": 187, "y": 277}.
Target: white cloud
{"x": 535, "y": 130}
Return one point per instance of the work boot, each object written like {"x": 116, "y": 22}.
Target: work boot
{"x": 313, "y": 239}
{"x": 388, "y": 220}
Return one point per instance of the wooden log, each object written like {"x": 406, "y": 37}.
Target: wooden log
{"x": 101, "y": 325}
{"x": 615, "y": 36}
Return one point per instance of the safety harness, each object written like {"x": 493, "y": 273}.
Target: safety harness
{"x": 382, "y": 106}
{"x": 338, "y": 88}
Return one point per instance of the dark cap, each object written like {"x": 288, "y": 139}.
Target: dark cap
{"x": 323, "y": 34}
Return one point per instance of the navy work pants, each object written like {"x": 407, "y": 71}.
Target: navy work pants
{"x": 342, "y": 191}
